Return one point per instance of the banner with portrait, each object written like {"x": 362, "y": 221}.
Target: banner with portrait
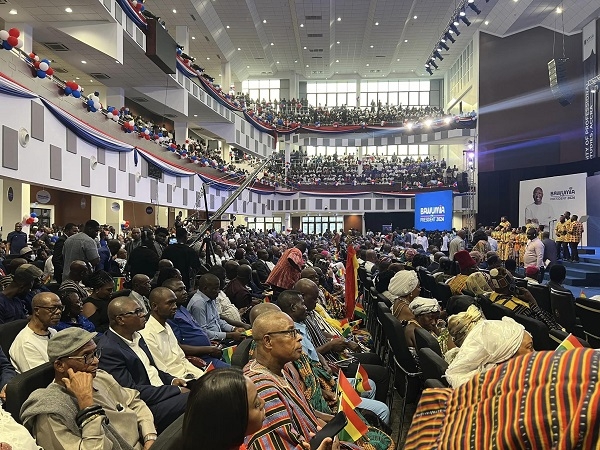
{"x": 543, "y": 200}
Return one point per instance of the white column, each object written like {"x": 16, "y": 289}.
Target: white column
{"x": 182, "y": 37}
{"x": 226, "y": 76}
{"x": 181, "y": 132}
{"x": 115, "y": 96}
{"x": 98, "y": 209}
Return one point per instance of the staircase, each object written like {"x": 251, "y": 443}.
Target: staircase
{"x": 586, "y": 273}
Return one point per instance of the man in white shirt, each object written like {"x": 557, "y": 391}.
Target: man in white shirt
{"x": 161, "y": 340}
{"x": 29, "y": 349}
{"x": 539, "y": 213}
{"x": 534, "y": 251}
{"x": 422, "y": 240}
{"x": 457, "y": 244}
{"x": 444, "y": 247}
{"x": 493, "y": 242}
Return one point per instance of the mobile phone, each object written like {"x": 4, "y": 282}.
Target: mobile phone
{"x": 331, "y": 430}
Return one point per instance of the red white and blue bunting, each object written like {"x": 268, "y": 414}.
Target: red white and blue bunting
{"x": 136, "y": 16}
{"x": 167, "y": 167}
{"x": 14, "y": 89}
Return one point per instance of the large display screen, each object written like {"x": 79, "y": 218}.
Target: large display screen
{"x": 433, "y": 211}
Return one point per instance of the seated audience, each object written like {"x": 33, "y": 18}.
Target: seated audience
{"x": 95, "y": 307}
{"x": 72, "y": 314}
{"x": 12, "y": 307}
{"x": 459, "y": 326}
{"x": 74, "y": 282}
{"x": 140, "y": 290}
{"x": 161, "y": 340}
{"x": 192, "y": 338}
{"x": 238, "y": 290}
{"x": 126, "y": 357}
{"x": 531, "y": 275}
{"x": 404, "y": 287}
{"x": 85, "y": 407}
{"x": 427, "y": 313}
{"x": 467, "y": 266}
{"x": 488, "y": 344}
{"x": 227, "y": 310}
{"x": 478, "y": 284}
{"x": 10, "y": 270}
{"x": 29, "y": 349}
{"x": 558, "y": 273}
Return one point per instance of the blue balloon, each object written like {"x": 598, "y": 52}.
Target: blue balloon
{"x": 46, "y": 61}
{"x": 110, "y": 109}
{"x": 90, "y": 102}
{"x": 68, "y": 90}
{"x": 34, "y": 215}
{"x": 160, "y": 135}
{"x": 76, "y": 94}
{"x": 41, "y": 74}
{"x": 6, "y": 45}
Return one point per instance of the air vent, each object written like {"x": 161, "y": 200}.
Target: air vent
{"x": 317, "y": 57}
{"x": 170, "y": 116}
{"x": 313, "y": 17}
{"x": 259, "y": 58}
{"x": 266, "y": 73}
{"x": 380, "y": 56}
{"x": 100, "y": 76}
{"x": 193, "y": 17}
{"x": 207, "y": 39}
{"x": 375, "y": 70}
{"x": 317, "y": 72}
{"x": 60, "y": 70}
{"x": 139, "y": 99}
{"x": 316, "y": 50}
{"x": 56, "y": 46}
{"x": 315, "y": 34}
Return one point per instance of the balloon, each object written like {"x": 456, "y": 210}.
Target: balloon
{"x": 4, "y": 35}
{"x": 50, "y": 71}
{"x": 147, "y": 132}
{"x": 115, "y": 112}
{"x": 110, "y": 109}
{"x": 14, "y": 32}
{"x": 131, "y": 123}
{"x": 47, "y": 61}
{"x": 33, "y": 214}
{"x": 6, "y": 45}
{"x": 41, "y": 74}
{"x": 20, "y": 43}
{"x": 147, "y": 137}
{"x": 115, "y": 118}
{"x": 44, "y": 66}
{"x": 97, "y": 105}
{"x": 68, "y": 90}
{"x": 36, "y": 64}
{"x": 13, "y": 41}
{"x": 76, "y": 94}
{"x": 90, "y": 102}
{"x": 36, "y": 219}
{"x": 29, "y": 221}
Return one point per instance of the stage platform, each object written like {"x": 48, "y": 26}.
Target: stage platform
{"x": 585, "y": 274}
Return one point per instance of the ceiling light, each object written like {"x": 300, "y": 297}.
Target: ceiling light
{"x": 558, "y": 10}
{"x": 428, "y": 122}
{"x": 77, "y": 78}
{"x": 449, "y": 37}
{"x": 432, "y": 62}
{"x": 207, "y": 58}
{"x": 444, "y": 46}
{"x": 91, "y": 81}
{"x": 83, "y": 62}
{"x": 193, "y": 38}
{"x": 367, "y": 65}
{"x": 272, "y": 43}
{"x": 227, "y": 26}
{"x": 376, "y": 23}
{"x": 247, "y": 67}
{"x": 339, "y": 19}
{"x": 277, "y": 62}
{"x": 307, "y": 65}
{"x": 195, "y": 115}
{"x": 415, "y": 17}
{"x": 474, "y": 8}
{"x": 436, "y": 53}
{"x": 337, "y": 72}
{"x": 69, "y": 10}
{"x": 454, "y": 28}
{"x": 371, "y": 46}
{"x": 174, "y": 11}
{"x": 295, "y": 60}
{"x": 219, "y": 74}
{"x": 13, "y": 12}
{"x": 462, "y": 14}
{"x": 465, "y": 20}
{"x": 301, "y": 25}
{"x": 409, "y": 125}
{"x": 337, "y": 60}
{"x": 304, "y": 48}
{"x": 398, "y": 59}
{"x": 239, "y": 49}
{"x": 264, "y": 20}
{"x": 487, "y": 22}
{"x": 337, "y": 42}
{"x": 405, "y": 40}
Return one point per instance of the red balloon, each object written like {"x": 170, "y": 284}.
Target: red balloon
{"x": 50, "y": 71}
{"x": 139, "y": 6}
{"x": 13, "y": 41}
{"x": 36, "y": 64}
{"x": 14, "y": 32}
{"x": 147, "y": 136}
{"x": 32, "y": 55}
{"x": 29, "y": 220}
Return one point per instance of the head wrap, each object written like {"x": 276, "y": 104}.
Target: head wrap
{"x": 459, "y": 325}
{"x": 403, "y": 283}
{"x": 500, "y": 278}
{"x": 464, "y": 260}
{"x": 478, "y": 284}
{"x": 489, "y": 343}
{"x": 421, "y": 305}
{"x": 531, "y": 271}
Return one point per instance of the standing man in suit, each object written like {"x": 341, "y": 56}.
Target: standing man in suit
{"x": 261, "y": 267}
{"x": 127, "y": 358}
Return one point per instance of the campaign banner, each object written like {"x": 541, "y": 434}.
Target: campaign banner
{"x": 592, "y": 225}
{"x": 433, "y": 211}
{"x": 591, "y": 80}
{"x": 543, "y": 200}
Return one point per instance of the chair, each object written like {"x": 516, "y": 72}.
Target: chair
{"x": 426, "y": 281}
{"x": 425, "y": 339}
{"x": 521, "y": 282}
{"x": 538, "y": 330}
{"x": 468, "y": 293}
{"x": 53, "y": 287}
{"x": 563, "y": 309}
{"x": 492, "y": 311}
{"x": 433, "y": 366}
{"x": 541, "y": 293}
{"x": 9, "y": 331}
{"x": 241, "y": 354}
{"x": 170, "y": 435}
{"x": 20, "y": 387}
{"x": 442, "y": 293}
{"x": 121, "y": 293}
{"x": 557, "y": 336}
{"x": 380, "y": 341}
{"x": 589, "y": 313}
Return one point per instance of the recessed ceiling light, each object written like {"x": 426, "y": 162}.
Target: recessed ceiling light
{"x": 13, "y": 12}
{"x": 376, "y": 23}
{"x": 301, "y": 25}
{"x": 272, "y": 43}
{"x": 337, "y": 42}
{"x": 207, "y": 58}
{"x": 487, "y": 22}
{"x": 77, "y": 78}
{"x": 415, "y": 17}
{"x": 239, "y": 49}
{"x": 195, "y": 115}
{"x": 174, "y": 11}
{"x": 304, "y": 48}
{"x": 247, "y": 67}
{"x": 339, "y": 19}
{"x": 337, "y": 60}
{"x": 295, "y": 60}
{"x": 559, "y": 10}
{"x": 69, "y": 10}
{"x": 83, "y": 62}
{"x": 193, "y": 38}
{"x": 337, "y": 72}
{"x": 227, "y": 26}
{"x": 405, "y": 40}
{"x": 219, "y": 74}
{"x": 307, "y": 65}
{"x": 91, "y": 81}
{"x": 367, "y": 65}
{"x": 398, "y": 59}
{"x": 371, "y": 46}
{"x": 264, "y": 20}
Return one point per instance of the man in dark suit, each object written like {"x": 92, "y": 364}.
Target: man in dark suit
{"x": 550, "y": 250}
{"x": 127, "y": 358}
{"x": 261, "y": 267}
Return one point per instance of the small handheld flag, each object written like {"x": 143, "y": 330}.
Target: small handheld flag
{"x": 346, "y": 390}
{"x": 228, "y": 353}
{"x": 359, "y": 312}
{"x": 361, "y": 380}
{"x": 209, "y": 367}
{"x": 569, "y": 343}
{"x": 355, "y": 428}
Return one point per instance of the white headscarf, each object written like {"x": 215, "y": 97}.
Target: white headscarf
{"x": 489, "y": 343}
{"x": 421, "y": 305}
{"x": 403, "y": 283}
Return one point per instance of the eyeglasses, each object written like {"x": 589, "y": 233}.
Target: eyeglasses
{"x": 289, "y": 333}
{"x": 87, "y": 359}
{"x": 53, "y": 309}
{"x": 137, "y": 312}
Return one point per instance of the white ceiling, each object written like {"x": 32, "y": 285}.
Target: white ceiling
{"x": 371, "y": 34}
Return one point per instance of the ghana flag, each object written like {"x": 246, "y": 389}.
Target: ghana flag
{"x": 361, "y": 380}
{"x": 228, "y": 353}
{"x": 569, "y": 343}
{"x": 355, "y": 428}
{"x": 346, "y": 390}
{"x": 359, "y": 312}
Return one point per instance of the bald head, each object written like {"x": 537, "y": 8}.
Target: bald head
{"x": 164, "y": 264}
{"x": 269, "y": 322}
{"x": 310, "y": 292}
{"x": 43, "y": 299}
{"x": 119, "y": 306}
{"x": 244, "y": 272}
{"x": 309, "y": 273}
{"x": 262, "y": 308}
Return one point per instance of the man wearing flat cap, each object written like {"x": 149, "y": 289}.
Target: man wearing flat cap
{"x": 84, "y": 407}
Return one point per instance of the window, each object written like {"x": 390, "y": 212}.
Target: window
{"x": 262, "y": 89}
{"x": 407, "y": 93}
{"x": 461, "y": 72}
{"x": 265, "y": 223}
{"x": 331, "y": 93}
{"x": 318, "y": 225}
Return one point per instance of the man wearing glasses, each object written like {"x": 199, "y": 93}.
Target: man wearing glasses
{"x": 29, "y": 349}
{"x": 84, "y": 407}
{"x": 127, "y": 358}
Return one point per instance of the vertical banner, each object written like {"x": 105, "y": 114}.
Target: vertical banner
{"x": 591, "y": 80}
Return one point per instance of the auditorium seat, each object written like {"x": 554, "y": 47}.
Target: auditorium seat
{"x": 541, "y": 293}
{"x": 588, "y": 312}
{"x": 433, "y": 366}
{"x": 241, "y": 355}
{"x": 425, "y": 339}
{"x": 20, "y": 387}
{"x": 9, "y": 331}
{"x": 539, "y": 332}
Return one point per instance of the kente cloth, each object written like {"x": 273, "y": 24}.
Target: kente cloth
{"x": 457, "y": 284}
{"x": 519, "y": 306}
{"x": 538, "y": 401}
{"x": 289, "y": 419}
{"x": 287, "y": 270}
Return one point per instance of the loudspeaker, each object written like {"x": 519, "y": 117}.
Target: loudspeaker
{"x": 463, "y": 182}
{"x": 557, "y": 71}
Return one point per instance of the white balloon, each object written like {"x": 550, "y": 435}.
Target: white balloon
{"x": 147, "y": 131}
{"x": 131, "y": 123}
{"x": 44, "y": 66}
{"x": 36, "y": 219}
{"x": 115, "y": 118}
{"x": 97, "y": 105}
{"x": 20, "y": 43}
{"x": 95, "y": 98}
{"x": 4, "y": 35}
{"x": 37, "y": 58}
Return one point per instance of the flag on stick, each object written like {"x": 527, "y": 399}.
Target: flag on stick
{"x": 355, "y": 428}
{"x": 569, "y": 343}
{"x": 228, "y": 353}
{"x": 361, "y": 380}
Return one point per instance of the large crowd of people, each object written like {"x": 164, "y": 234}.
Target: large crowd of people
{"x": 137, "y": 326}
